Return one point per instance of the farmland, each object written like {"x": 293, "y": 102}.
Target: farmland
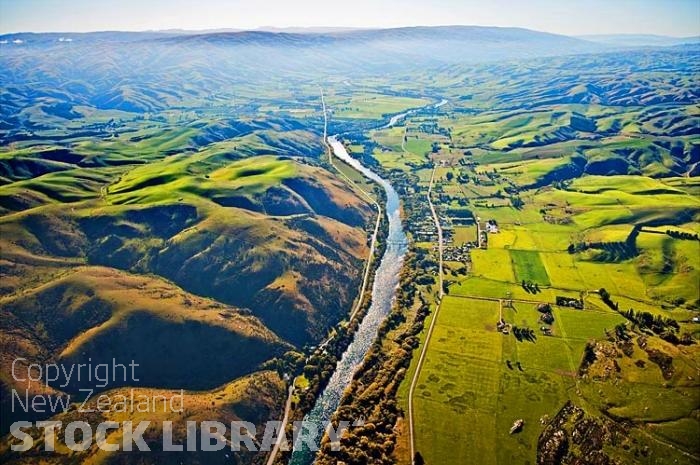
{"x": 575, "y": 202}
{"x": 467, "y": 363}
{"x": 476, "y": 382}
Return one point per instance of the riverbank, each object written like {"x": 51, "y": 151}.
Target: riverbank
{"x": 386, "y": 280}
{"x": 321, "y": 365}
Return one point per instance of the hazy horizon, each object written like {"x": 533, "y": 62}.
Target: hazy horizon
{"x": 321, "y": 29}
{"x": 677, "y": 18}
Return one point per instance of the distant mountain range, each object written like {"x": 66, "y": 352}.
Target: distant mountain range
{"x": 120, "y": 70}
{"x": 640, "y": 40}
{"x": 314, "y": 36}
{"x": 441, "y": 43}
{"x": 481, "y": 33}
{"x": 363, "y": 48}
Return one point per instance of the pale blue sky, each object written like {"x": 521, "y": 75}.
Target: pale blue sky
{"x": 665, "y": 17}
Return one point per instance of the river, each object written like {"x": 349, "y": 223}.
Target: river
{"x": 386, "y": 280}
{"x": 396, "y": 118}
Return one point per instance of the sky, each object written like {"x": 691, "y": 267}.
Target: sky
{"x": 680, "y": 18}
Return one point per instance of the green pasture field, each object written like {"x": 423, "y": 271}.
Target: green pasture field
{"x": 529, "y": 171}
{"x": 190, "y": 176}
{"x": 457, "y": 392}
{"x": 527, "y": 266}
{"x": 372, "y": 106}
{"x": 418, "y": 146}
{"x": 390, "y": 138}
{"x": 467, "y": 398}
{"x": 488, "y": 287}
{"x": 493, "y": 264}
{"x": 396, "y": 160}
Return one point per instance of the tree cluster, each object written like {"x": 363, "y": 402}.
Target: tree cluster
{"x": 607, "y": 299}
{"x": 621, "y": 332}
{"x": 546, "y": 316}
{"x": 530, "y": 287}
{"x": 517, "y": 202}
{"x": 656, "y": 323}
{"x": 666, "y": 328}
{"x": 524, "y": 334}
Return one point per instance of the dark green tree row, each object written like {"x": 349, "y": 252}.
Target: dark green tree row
{"x": 682, "y": 235}
{"x": 613, "y": 251}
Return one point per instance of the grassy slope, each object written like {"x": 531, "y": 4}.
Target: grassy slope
{"x": 121, "y": 242}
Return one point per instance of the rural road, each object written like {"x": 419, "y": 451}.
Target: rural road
{"x": 441, "y": 294}
{"x": 378, "y": 208}
{"x": 281, "y": 435}
{"x": 478, "y": 232}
